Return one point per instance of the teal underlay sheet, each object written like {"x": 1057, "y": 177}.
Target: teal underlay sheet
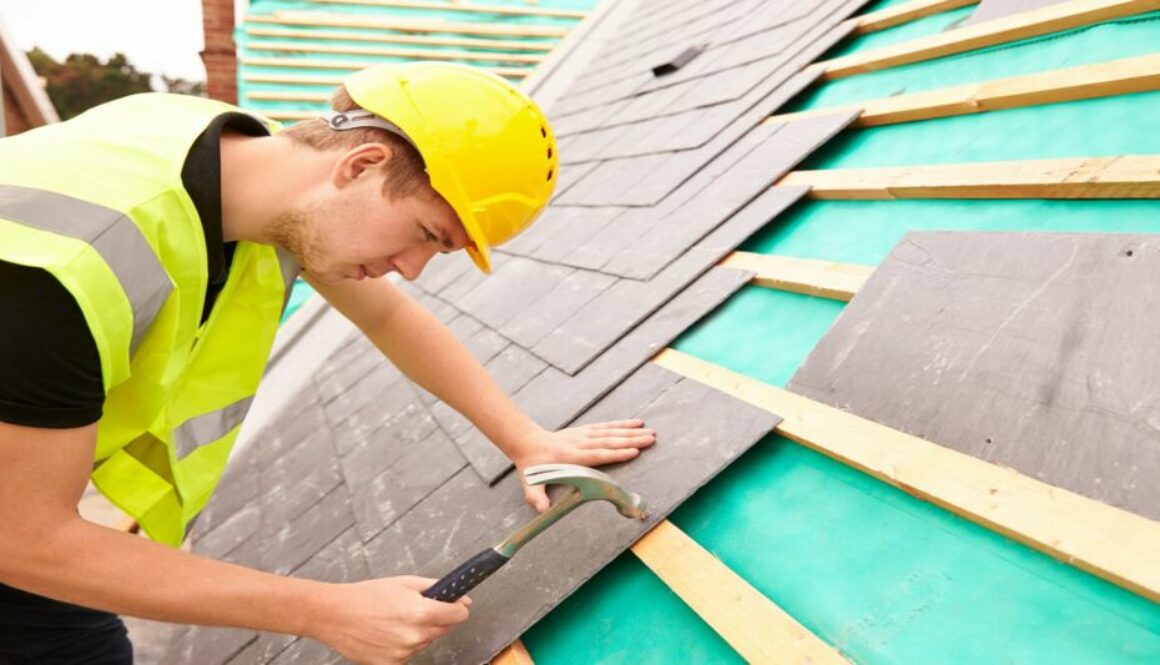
{"x": 881, "y": 575}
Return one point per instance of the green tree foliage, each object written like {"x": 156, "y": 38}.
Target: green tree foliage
{"x": 83, "y": 81}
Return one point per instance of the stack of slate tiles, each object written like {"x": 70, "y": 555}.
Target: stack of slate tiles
{"x": 661, "y": 177}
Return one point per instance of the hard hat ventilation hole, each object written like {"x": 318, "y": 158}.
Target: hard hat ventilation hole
{"x": 549, "y": 174}
{"x": 549, "y": 152}
{"x": 543, "y": 131}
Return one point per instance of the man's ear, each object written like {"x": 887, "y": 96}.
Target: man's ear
{"x": 360, "y": 161}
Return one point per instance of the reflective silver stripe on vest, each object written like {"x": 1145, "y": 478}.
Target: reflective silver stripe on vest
{"x": 111, "y": 233}
{"x": 290, "y": 269}
{"x": 209, "y": 427}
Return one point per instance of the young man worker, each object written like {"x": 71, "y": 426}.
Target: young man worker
{"x": 146, "y": 248}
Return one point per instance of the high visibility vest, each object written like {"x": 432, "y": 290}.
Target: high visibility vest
{"x": 98, "y": 201}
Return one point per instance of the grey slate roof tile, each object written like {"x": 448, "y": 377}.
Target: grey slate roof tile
{"x": 404, "y": 430}
{"x": 206, "y": 645}
{"x": 262, "y": 650}
{"x": 307, "y": 652}
{"x": 343, "y": 560}
{"x": 437, "y": 530}
{"x": 232, "y": 532}
{"x": 582, "y": 223}
{"x": 402, "y": 485}
{"x": 511, "y": 288}
{"x": 299, "y": 478}
{"x": 1032, "y": 351}
{"x": 690, "y": 452}
{"x": 758, "y": 169}
{"x": 598, "y": 324}
{"x": 554, "y": 307}
{"x": 444, "y": 270}
{"x": 378, "y": 377}
{"x": 288, "y": 547}
{"x": 554, "y": 398}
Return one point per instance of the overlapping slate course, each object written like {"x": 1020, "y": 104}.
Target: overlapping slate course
{"x": 368, "y": 475}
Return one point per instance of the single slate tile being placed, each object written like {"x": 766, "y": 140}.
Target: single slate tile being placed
{"x": 603, "y": 320}
{"x": 1032, "y": 351}
{"x": 700, "y": 431}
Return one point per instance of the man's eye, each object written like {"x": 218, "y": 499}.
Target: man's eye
{"x": 428, "y": 235}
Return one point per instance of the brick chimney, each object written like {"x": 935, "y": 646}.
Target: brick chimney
{"x": 220, "y": 55}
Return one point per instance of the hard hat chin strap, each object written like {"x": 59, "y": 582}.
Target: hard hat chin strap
{"x": 359, "y": 119}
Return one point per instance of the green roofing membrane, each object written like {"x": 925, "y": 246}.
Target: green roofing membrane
{"x": 881, "y": 575}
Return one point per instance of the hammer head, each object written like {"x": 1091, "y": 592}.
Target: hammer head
{"x": 591, "y": 484}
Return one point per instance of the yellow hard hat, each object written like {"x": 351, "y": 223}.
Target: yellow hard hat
{"x": 488, "y": 148}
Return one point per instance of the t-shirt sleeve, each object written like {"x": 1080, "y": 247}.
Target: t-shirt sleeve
{"x": 50, "y": 369}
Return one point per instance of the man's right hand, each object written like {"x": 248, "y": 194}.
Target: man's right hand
{"x": 385, "y": 621}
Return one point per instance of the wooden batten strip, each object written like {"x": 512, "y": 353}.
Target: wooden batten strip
{"x": 904, "y": 13}
{"x": 402, "y": 25}
{"x": 827, "y": 279}
{"x": 423, "y": 54}
{"x": 393, "y": 38}
{"x": 463, "y": 7}
{"x": 1102, "y": 79}
{"x": 1111, "y": 543}
{"x": 288, "y": 96}
{"x": 759, "y": 630}
{"x": 1034, "y": 23}
{"x": 293, "y": 79}
{"x": 353, "y": 65}
{"x": 515, "y": 654}
{"x": 1123, "y": 177}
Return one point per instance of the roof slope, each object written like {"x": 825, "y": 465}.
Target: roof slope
{"x": 664, "y": 175}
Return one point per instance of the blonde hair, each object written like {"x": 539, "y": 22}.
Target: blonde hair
{"x": 407, "y": 173}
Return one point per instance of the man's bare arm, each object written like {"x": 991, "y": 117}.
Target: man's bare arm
{"x": 47, "y": 549}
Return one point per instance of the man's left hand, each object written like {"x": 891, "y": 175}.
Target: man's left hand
{"x": 596, "y": 444}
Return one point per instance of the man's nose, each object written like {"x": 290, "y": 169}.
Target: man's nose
{"x": 411, "y": 263}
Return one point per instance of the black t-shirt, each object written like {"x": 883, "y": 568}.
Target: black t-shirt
{"x": 50, "y": 370}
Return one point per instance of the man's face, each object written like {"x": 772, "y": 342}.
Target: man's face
{"x": 358, "y": 231}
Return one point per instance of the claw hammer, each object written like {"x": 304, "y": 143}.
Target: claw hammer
{"x": 587, "y": 485}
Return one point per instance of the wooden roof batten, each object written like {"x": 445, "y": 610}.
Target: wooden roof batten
{"x": 1034, "y": 23}
{"x": 404, "y": 25}
{"x": 1111, "y": 543}
{"x": 1101, "y": 79}
{"x": 1117, "y": 177}
{"x": 378, "y": 37}
{"x": 466, "y": 7}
